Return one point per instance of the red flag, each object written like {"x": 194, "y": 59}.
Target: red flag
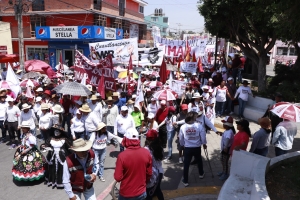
{"x": 101, "y": 88}
{"x": 199, "y": 64}
{"x": 163, "y": 73}
{"x": 194, "y": 57}
{"x": 130, "y": 85}
{"x": 187, "y": 51}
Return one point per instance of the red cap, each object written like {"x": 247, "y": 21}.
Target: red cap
{"x": 47, "y": 92}
{"x": 184, "y": 107}
{"x": 172, "y": 109}
{"x": 152, "y": 134}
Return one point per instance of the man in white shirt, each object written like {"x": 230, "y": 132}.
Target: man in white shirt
{"x": 123, "y": 122}
{"x": 28, "y": 115}
{"x": 243, "y": 91}
{"x": 90, "y": 120}
{"x": 110, "y": 113}
{"x": 96, "y": 107}
{"x": 3, "y": 107}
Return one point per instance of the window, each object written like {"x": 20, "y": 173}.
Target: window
{"x": 117, "y": 23}
{"x": 36, "y": 20}
{"x": 38, "y": 53}
{"x": 154, "y": 19}
{"x": 38, "y": 5}
{"x": 282, "y": 51}
{"x": 292, "y": 52}
{"x": 165, "y": 20}
{"x": 122, "y": 7}
{"x": 141, "y": 9}
{"x": 164, "y": 30}
{"x": 97, "y": 4}
{"x": 100, "y": 20}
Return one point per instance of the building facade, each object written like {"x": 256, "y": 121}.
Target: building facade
{"x": 47, "y": 25}
{"x": 158, "y": 19}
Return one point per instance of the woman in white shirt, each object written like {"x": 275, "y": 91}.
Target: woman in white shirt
{"x": 57, "y": 116}
{"x": 28, "y": 115}
{"x": 210, "y": 106}
{"x": 45, "y": 122}
{"x": 100, "y": 138}
{"x": 37, "y": 108}
{"x": 243, "y": 92}
{"x": 221, "y": 92}
{"x": 152, "y": 124}
{"x": 152, "y": 107}
{"x": 77, "y": 126}
{"x": 13, "y": 121}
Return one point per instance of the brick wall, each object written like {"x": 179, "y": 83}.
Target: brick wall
{"x": 71, "y": 20}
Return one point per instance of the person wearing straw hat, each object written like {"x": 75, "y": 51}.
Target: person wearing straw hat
{"x": 3, "y": 108}
{"x": 90, "y": 120}
{"x": 130, "y": 106}
{"x": 37, "y": 107}
{"x": 13, "y": 121}
{"x": 45, "y": 122}
{"x": 28, "y": 163}
{"x": 28, "y": 115}
{"x": 123, "y": 122}
{"x": 133, "y": 167}
{"x": 100, "y": 139}
{"x": 110, "y": 113}
{"x": 57, "y": 115}
{"x": 192, "y": 136}
{"x": 96, "y": 107}
{"x": 262, "y": 137}
{"x": 196, "y": 103}
{"x": 78, "y": 173}
{"x": 77, "y": 126}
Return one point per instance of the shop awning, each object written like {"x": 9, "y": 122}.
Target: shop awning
{"x": 9, "y": 58}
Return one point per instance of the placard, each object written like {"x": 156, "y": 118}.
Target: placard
{"x": 190, "y": 67}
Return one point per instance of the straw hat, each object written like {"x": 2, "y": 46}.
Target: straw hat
{"x": 44, "y": 106}
{"x": 196, "y": 95}
{"x": 25, "y": 124}
{"x": 25, "y": 106}
{"x": 100, "y": 126}
{"x": 81, "y": 145}
{"x": 58, "y": 109}
{"x": 116, "y": 94}
{"x": 85, "y": 108}
{"x": 109, "y": 99}
{"x": 129, "y": 102}
{"x": 94, "y": 97}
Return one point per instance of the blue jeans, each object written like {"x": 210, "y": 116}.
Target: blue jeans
{"x": 228, "y": 105}
{"x": 170, "y": 135}
{"x": 188, "y": 153}
{"x": 67, "y": 119}
{"x": 242, "y": 105}
{"x": 140, "y": 197}
{"x": 262, "y": 152}
{"x": 220, "y": 108}
{"x": 121, "y": 147}
{"x": 279, "y": 152}
{"x": 79, "y": 135}
{"x": 235, "y": 72}
{"x": 100, "y": 155}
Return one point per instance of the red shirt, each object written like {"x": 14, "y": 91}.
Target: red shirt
{"x": 66, "y": 103}
{"x": 161, "y": 115}
{"x": 239, "y": 138}
{"x": 133, "y": 170}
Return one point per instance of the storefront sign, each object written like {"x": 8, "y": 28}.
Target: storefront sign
{"x": 62, "y": 32}
{"x": 110, "y": 33}
{"x": 121, "y": 50}
{"x": 78, "y": 32}
{"x": 3, "y": 47}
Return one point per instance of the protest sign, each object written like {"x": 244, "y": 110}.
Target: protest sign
{"x": 178, "y": 87}
{"x": 150, "y": 56}
{"x": 94, "y": 71}
{"x": 120, "y": 50}
{"x": 188, "y": 67}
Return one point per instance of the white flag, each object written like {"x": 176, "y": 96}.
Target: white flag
{"x": 83, "y": 81}
{"x": 13, "y": 81}
{"x": 171, "y": 79}
{"x": 139, "y": 92}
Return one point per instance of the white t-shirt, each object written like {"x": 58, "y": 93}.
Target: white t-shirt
{"x": 169, "y": 122}
{"x": 99, "y": 142}
{"x": 244, "y": 92}
{"x": 152, "y": 108}
{"x": 221, "y": 94}
{"x": 229, "y": 135}
{"x": 192, "y": 135}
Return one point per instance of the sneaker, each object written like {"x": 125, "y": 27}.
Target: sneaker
{"x": 220, "y": 173}
{"x": 102, "y": 179}
{"x": 224, "y": 177}
{"x": 201, "y": 176}
{"x": 12, "y": 146}
{"x": 185, "y": 184}
{"x": 167, "y": 160}
{"x": 180, "y": 160}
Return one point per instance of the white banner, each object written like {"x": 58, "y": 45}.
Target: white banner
{"x": 110, "y": 33}
{"x": 119, "y": 49}
{"x": 64, "y": 32}
{"x": 188, "y": 67}
{"x": 134, "y": 31}
{"x": 175, "y": 48}
{"x": 179, "y": 87}
{"x": 150, "y": 56}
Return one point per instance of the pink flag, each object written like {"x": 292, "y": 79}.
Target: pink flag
{"x": 28, "y": 93}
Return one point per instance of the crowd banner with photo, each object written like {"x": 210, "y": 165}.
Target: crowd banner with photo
{"x": 190, "y": 67}
{"x": 120, "y": 50}
{"x": 178, "y": 87}
{"x": 150, "y": 56}
{"x": 175, "y": 48}
{"x": 83, "y": 67}
{"x": 134, "y": 31}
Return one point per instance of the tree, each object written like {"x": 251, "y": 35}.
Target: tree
{"x": 250, "y": 24}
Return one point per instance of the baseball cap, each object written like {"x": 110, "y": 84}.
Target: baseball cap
{"x": 133, "y": 96}
{"x": 152, "y": 134}
{"x": 163, "y": 102}
{"x": 172, "y": 109}
{"x": 131, "y": 134}
{"x": 184, "y": 107}
{"x": 124, "y": 108}
{"x": 205, "y": 87}
{"x": 38, "y": 99}
{"x": 229, "y": 79}
{"x": 153, "y": 99}
{"x": 228, "y": 121}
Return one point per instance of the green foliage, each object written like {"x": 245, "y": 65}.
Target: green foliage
{"x": 287, "y": 82}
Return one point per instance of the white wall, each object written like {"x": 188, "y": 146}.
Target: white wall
{"x": 5, "y": 35}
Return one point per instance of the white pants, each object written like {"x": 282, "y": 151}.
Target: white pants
{"x": 89, "y": 194}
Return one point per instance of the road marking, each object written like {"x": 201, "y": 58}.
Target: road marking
{"x": 105, "y": 192}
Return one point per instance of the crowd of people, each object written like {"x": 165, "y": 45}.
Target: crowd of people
{"x": 75, "y": 132}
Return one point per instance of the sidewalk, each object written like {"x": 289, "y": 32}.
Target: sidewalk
{"x": 209, "y": 187}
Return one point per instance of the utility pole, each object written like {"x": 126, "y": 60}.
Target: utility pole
{"x": 18, "y": 13}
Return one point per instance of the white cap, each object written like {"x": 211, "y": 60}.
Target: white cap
{"x": 229, "y": 79}
{"x": 132, "y": 134}
{"x": 133, "y": 96}
{"x": 163, "y": 102}
{"x": 205, "y": 87}
{"x": 124, "y": 108}
{"x": 182, "y": 74}
{"x": 9, "y": 98}
{"x": 38, "y": 99}
{"x": 153, "y": 99}
{"x": 210, "y": 80}
{"x": 194, "y": 74}
{"x": 40, "y": 89}
{"x": 78, "y": 112}
{"x": 151, "y": 116}
{"x": 79, "y": 102}
{"x": 210, "y": 90}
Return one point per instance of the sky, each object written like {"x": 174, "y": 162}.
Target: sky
{"x": 183, "y": 12}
